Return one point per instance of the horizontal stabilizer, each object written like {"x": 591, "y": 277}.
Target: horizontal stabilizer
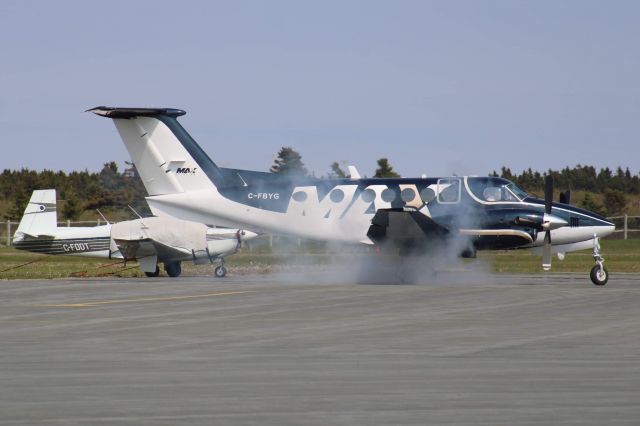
{"x": 123, "y": 112}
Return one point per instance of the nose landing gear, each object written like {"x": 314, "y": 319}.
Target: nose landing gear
{"x": 220, "y": 271}
{"x": 599, "y": 274}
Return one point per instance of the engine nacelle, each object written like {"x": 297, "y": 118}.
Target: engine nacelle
{"x": 221, "y": 242}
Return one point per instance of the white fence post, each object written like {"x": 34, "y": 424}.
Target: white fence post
{"x": 626, "y": 217}
{"x": 8, "y": 232}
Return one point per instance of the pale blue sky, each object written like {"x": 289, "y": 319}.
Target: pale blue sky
{"x": 437, "y": 87}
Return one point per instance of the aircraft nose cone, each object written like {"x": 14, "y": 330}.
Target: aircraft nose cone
{"x": 247, "y": 235}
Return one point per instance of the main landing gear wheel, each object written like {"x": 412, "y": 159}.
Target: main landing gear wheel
{"x": 174, "y": 269}
{"x": 154, "y": 273}
{"x": 220, "y": 271}
{"x": 599, "y": 275}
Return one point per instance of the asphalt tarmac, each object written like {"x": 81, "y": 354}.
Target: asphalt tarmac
{"x": 289, "y": 350}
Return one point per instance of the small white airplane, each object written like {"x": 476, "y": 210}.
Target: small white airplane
{"x": 150, "y": 240}
{"x": 414, "y": 216}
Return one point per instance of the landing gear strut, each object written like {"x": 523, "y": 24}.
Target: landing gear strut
{"x": 599, "y": 274}
{"x": 220, "y": 271}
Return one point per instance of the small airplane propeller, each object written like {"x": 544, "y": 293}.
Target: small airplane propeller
{"x": 548, "y": 200}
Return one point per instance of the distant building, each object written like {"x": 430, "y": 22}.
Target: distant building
{"x": 130, "y": 172}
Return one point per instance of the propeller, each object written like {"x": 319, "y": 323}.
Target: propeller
{"x": 548, "y": 200}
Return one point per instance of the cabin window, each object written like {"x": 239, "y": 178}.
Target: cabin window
{"x": 299, "y": 196}
{"x": 427, "y": 195}
{"x": 407, "y": 195}
{"x": 368, "y": 195}
{"x": 388, "y": 195}
{"x": 448, "y": 191}
{"x": 336, "y": 195}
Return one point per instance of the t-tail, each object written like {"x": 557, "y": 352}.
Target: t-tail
{"x": 167, "y": 158}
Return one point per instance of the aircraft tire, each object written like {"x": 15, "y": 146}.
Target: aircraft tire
{"x": 599, "y": 276}
{"x": 154, "y": 273}
{"x": 220, "y": 271}
{"x": 174, "y": 269}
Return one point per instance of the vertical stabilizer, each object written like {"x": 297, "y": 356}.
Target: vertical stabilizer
{"x": 167, "y": 158}
{"x": 40, "y": 217}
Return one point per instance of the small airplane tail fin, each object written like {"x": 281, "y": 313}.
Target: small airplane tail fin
{"x": 40, "y": 217}
{"x": 167, "y": 158}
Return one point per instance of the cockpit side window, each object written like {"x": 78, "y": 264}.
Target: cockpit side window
{"x": 491, "y": 189}
{"x": 492, "y": 193}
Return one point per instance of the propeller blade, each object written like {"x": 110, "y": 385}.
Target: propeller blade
{"x": 546, "y": 251}
{"x": 548, "y": 193}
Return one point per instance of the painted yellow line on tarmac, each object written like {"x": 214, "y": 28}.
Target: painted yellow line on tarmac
{"x": 144, "y": 299}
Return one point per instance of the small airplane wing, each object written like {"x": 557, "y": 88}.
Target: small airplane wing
{"x": 168, "y": 253}
{"x": 138, "y": 248}
{"x": 135, "y": 248}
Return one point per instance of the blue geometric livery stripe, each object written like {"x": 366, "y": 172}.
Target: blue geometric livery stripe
{"x": 64, "y": 246}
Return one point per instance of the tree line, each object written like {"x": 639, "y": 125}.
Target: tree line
{"x": 581, "y": 178}
{"x": 79, "y": 191}
{"x": 606, "y": 190}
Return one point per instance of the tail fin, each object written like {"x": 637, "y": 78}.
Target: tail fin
{"x": 40, "y": 217}
{"x": 167, "y": 158}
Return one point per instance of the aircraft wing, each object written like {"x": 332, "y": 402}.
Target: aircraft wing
{"x": 413, "y": 231}
{"x": 499, "y": 238}
{"x": 145, "y": 247}
{"x": 402, "y": 225}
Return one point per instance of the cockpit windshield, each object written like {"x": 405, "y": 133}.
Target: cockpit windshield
{"x": 495, "y": 189}
{"x": 519, "y": 193}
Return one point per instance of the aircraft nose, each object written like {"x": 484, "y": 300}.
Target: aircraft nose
{"x": 605, "y": 230}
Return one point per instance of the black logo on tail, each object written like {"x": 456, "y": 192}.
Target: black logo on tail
{"x": 186, "y": 170}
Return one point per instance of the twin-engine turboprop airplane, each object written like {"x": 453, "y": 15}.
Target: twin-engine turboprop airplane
{"x": 414, "y": 215}
{"x": 150, "y": 240}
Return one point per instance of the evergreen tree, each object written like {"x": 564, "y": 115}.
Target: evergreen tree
{"x": 109, "y": 176}
{"x": 72, "y": 207}
{"x": 505, "y": 173}
{"x": 336, "y": 171}
{"x": 289, "y": 162}
{"x": 385, "y": 170}
{"x": 590, "y": 204}
{"x": 615, "y": 201}
{"x": 20, "y": 203}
